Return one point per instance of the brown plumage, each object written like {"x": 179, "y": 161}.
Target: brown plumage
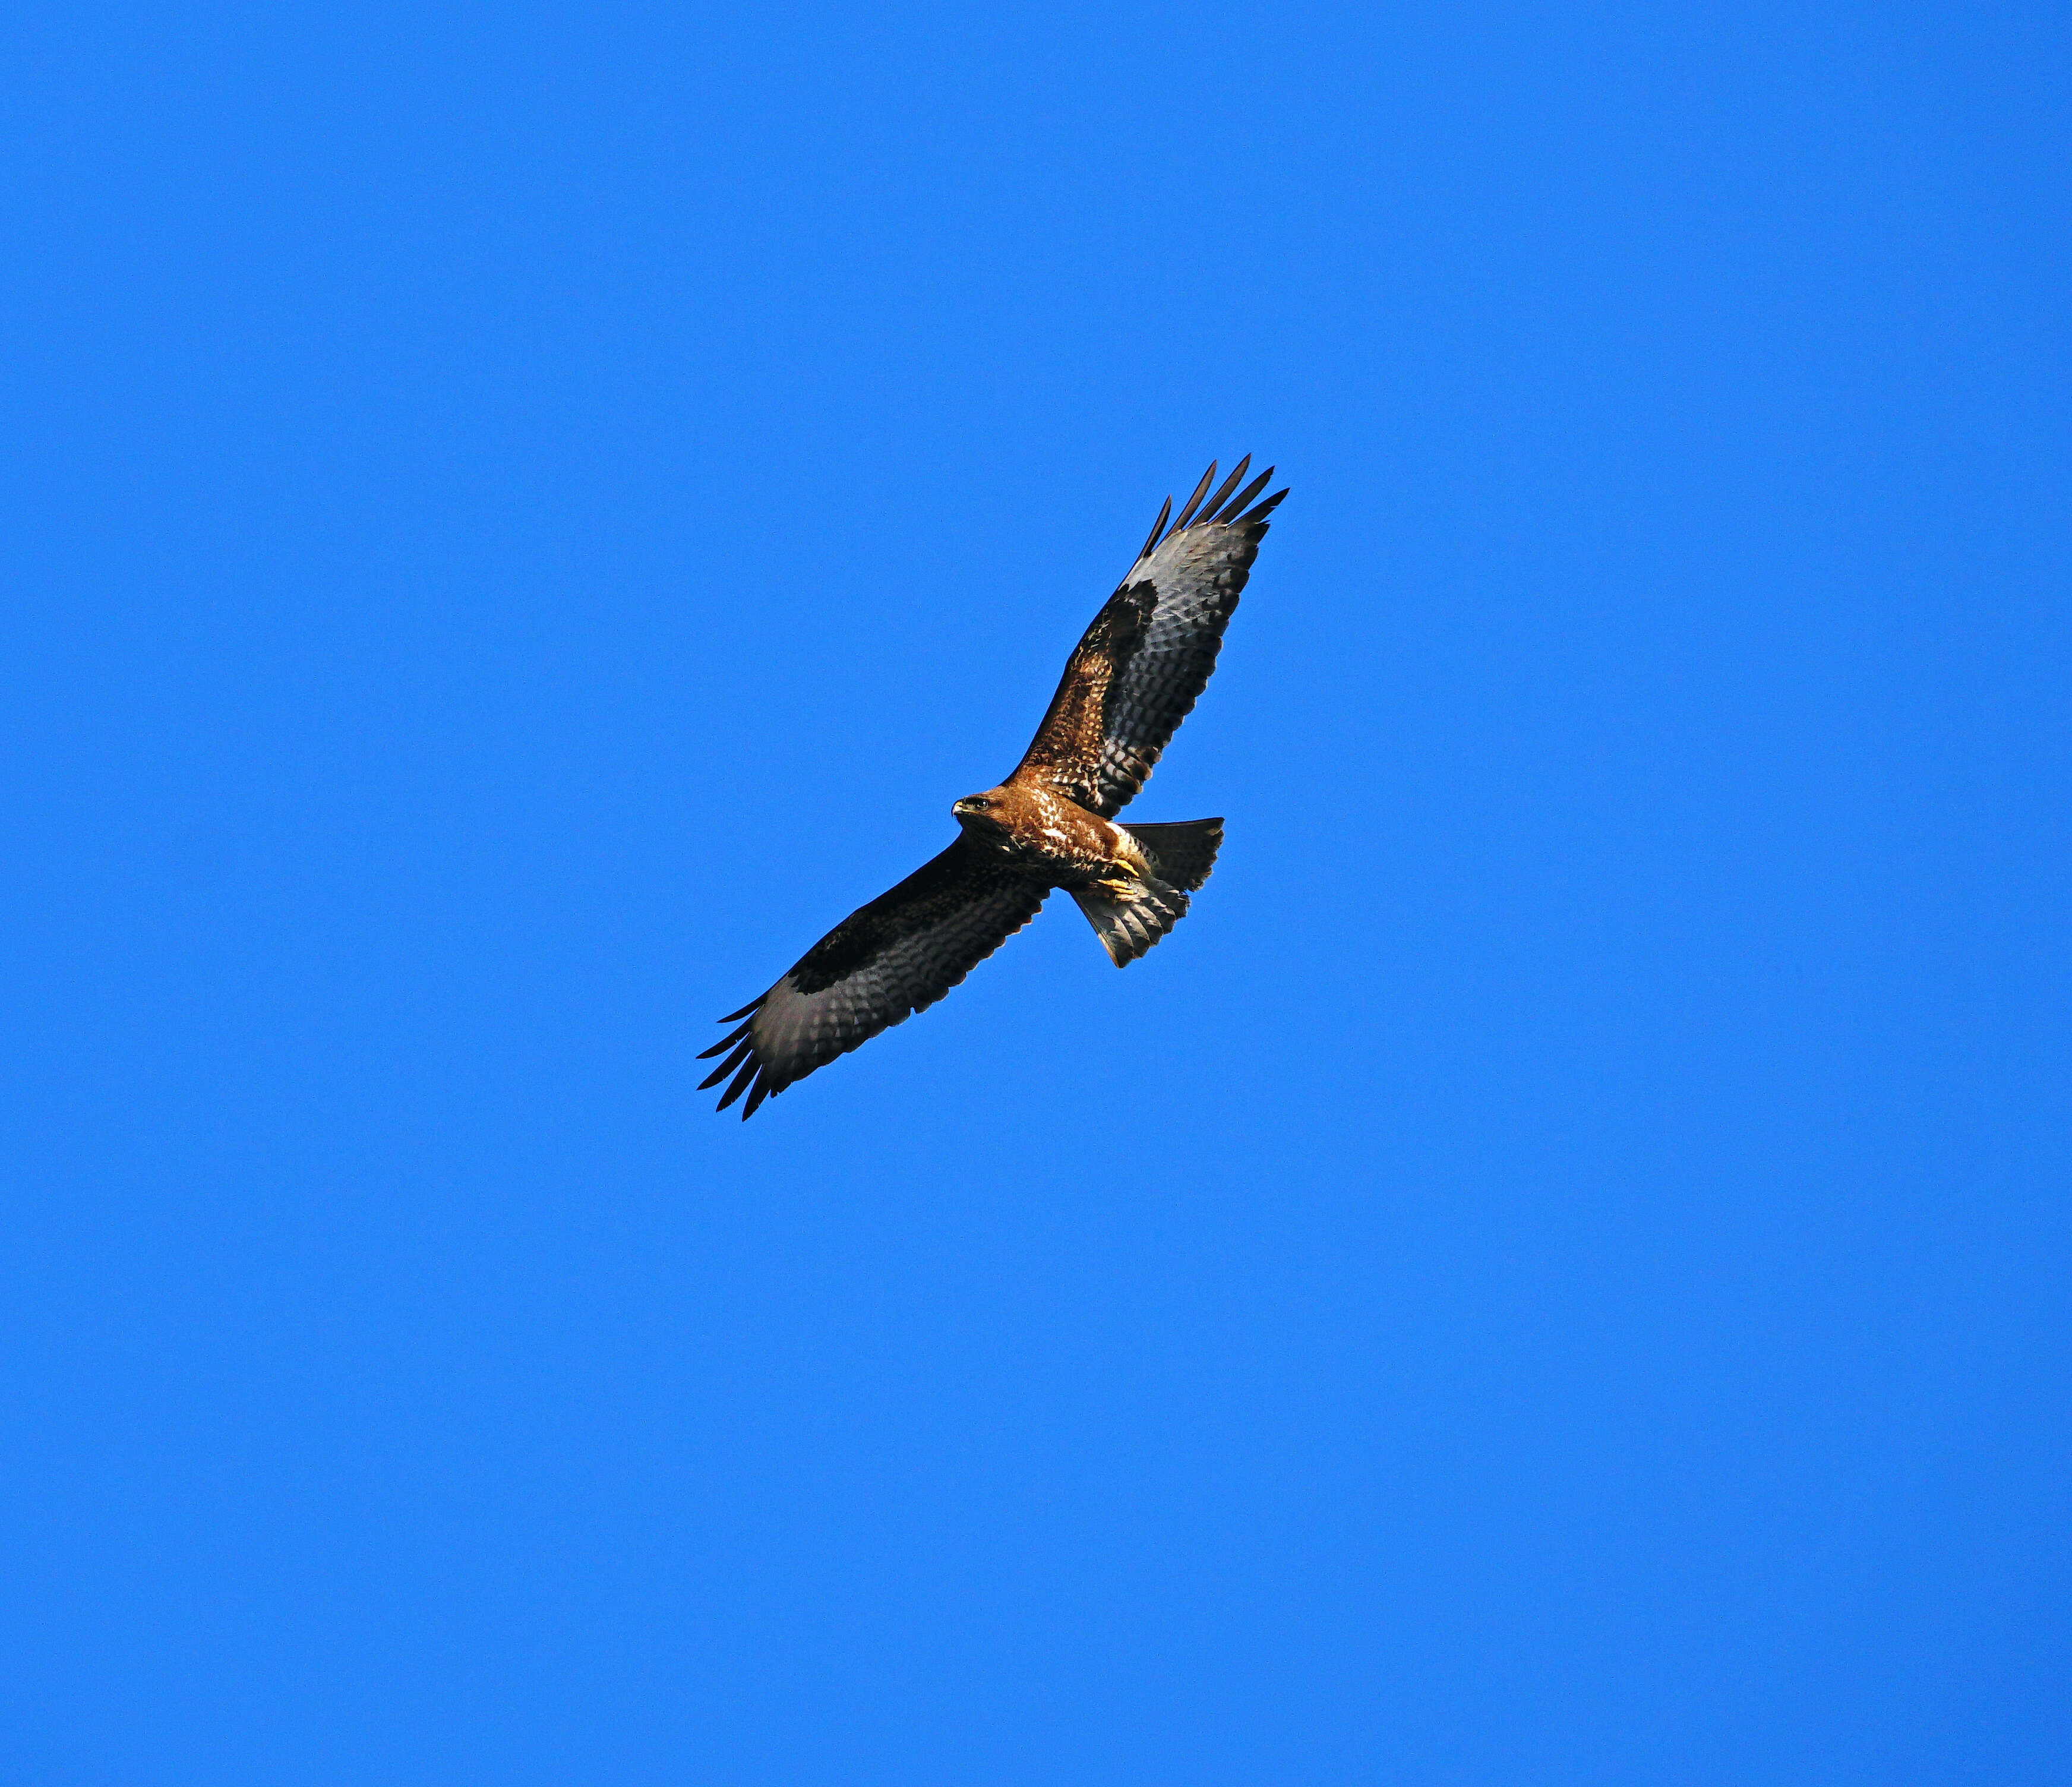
{"x": 1133, "y": 677}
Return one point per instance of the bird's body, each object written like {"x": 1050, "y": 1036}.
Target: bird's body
{"x": 1049, "y": 825}
{"x": 1046, "y": 834}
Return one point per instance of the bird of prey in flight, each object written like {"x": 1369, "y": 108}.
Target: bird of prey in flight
{"x": 1132, "y": 680}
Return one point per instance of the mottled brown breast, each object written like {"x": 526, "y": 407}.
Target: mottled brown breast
{"x": 1044, "y": 833}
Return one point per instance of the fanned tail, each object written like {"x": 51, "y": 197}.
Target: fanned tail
{"x": 1129, "y": 924}
{"x": 1183, "y": 852}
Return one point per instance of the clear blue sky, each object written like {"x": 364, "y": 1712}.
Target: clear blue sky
{"x": 517, "y": 519}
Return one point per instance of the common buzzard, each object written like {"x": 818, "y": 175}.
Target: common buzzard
{"x": 1132, "y": 680}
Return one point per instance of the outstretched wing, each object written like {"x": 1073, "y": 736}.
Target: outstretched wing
{"x": 880, "y": 965}
{"x": 1137, "y": 671}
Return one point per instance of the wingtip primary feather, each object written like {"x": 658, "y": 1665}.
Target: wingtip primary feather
{"x": 1235, "y": 506}
{"x": 748, "y": 1069}
{"x": 1258, "y": 511}
{"x": 741, "y": 1051}
{"x": 1201, "y": 490}
{"x": 1157, "y": 531}
{"x": 1222, "y": 508}
{"x": 724, "y": 1044}
{"x": 1214, "y": 503}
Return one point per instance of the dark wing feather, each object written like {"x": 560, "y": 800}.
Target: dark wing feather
{"x": 1141, "y": 667}
{"x": 885, "y": 961}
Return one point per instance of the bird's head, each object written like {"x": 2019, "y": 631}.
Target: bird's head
{"x": 983, "y": 811}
